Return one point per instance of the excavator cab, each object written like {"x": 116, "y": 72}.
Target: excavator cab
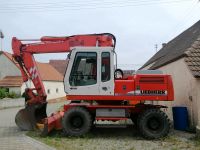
{"x": 90, "y": 71}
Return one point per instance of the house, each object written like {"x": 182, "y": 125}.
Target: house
{"x": 180, "y": 58}
{"x": 59, "y": 65}
{"x": 128, "y": 72}
{"x": 11, "y": 79}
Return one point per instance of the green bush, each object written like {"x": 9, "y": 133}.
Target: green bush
{"x": 13, "y": 95}
{"x": 4, "y": 93}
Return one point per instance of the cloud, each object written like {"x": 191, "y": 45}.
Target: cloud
{"x": 137, "y": 29}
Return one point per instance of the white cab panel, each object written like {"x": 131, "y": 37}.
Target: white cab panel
{"x": 92, "y": 86}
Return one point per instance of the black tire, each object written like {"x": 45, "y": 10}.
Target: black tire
{"x": 153, "y": 124}
{"x": 77, "y": 121}
{"x": 134, "y": 119}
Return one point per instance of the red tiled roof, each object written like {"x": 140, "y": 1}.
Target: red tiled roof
{"x": 47, "y": 72}
{"x": 59, "y": 65}
{"x": 11, "y": 81}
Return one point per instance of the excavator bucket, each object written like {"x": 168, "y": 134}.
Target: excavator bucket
{"x": 34, "y": 117}
{"x": 27, "y": 118}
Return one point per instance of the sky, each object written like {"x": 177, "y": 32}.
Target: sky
{"x": 137, "y": 24}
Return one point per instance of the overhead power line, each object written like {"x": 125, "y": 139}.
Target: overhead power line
{"x": 43, "y": 7}
{"x": 186, "y": 17}
{"x": 85, "y": 2}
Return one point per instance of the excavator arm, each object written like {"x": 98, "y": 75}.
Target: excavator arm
{"x": 35, "y": 109}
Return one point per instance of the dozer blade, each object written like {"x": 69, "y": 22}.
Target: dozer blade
{"x": 27, "y": 118}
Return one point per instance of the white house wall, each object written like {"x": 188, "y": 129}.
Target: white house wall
{"x": 185, "y": 90}
{"x": 50, "y": 86}
{"x": 198, "y": 104}
{"x": 7, "y": 67}
{"x": 16, "y": 90}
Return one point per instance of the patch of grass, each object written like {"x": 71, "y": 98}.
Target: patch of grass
{"x": 5, "y": 94}
{"x": 174, "y": 149}
{"x": 132, "y": 148}
{"x": 112, "y": 139}
{"x": 59, "y": 141}
{"x": 196, "y": 141}
{"x": 171, "y": 139}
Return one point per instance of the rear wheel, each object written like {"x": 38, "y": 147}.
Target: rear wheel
{"x": 76, "y": 121}
{"x": 153, "y": 124}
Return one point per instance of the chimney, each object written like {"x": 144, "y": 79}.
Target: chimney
{"x": 164, "y": 44}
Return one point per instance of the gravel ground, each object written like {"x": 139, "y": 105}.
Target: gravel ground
{"x": 97, "y": 139}
{"x": 120, "y": 139}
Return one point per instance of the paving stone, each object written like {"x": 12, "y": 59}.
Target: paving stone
{"x": 11, "y": 138}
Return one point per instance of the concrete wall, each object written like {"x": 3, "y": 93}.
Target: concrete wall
{"x": 7, "y": 67}
{"x": 185, "y": 89}
{"x": 54, "y": 89}
{"x": 16, "y": 90}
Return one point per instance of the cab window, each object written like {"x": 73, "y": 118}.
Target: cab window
{"x": 84, "y": 69}
{"x": 105, "y": 66}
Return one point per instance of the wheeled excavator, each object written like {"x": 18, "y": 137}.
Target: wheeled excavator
{"x": 95, "y": 88}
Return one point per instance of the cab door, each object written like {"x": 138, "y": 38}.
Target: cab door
{"x": 107, "y": 72}
{"x": 81, "y": 77}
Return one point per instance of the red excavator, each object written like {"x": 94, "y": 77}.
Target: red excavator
{"x": 95, "y": 87}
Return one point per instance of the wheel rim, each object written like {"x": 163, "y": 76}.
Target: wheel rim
{"x": 154, "y": 124}
{"x": 76, "y": 122}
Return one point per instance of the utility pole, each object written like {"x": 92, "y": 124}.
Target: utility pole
{"x": 1, "y": 37}
{"x": 156, "y": 47}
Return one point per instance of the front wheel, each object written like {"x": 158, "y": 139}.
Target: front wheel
{"x": 76, "y": 121}
{"x": 153, "y": 124}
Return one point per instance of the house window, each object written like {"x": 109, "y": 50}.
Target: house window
{"x": 56, "y": 90}
{"x": 48, "y": 91}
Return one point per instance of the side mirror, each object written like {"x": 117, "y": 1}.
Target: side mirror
{"x": 68, "y": 56}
